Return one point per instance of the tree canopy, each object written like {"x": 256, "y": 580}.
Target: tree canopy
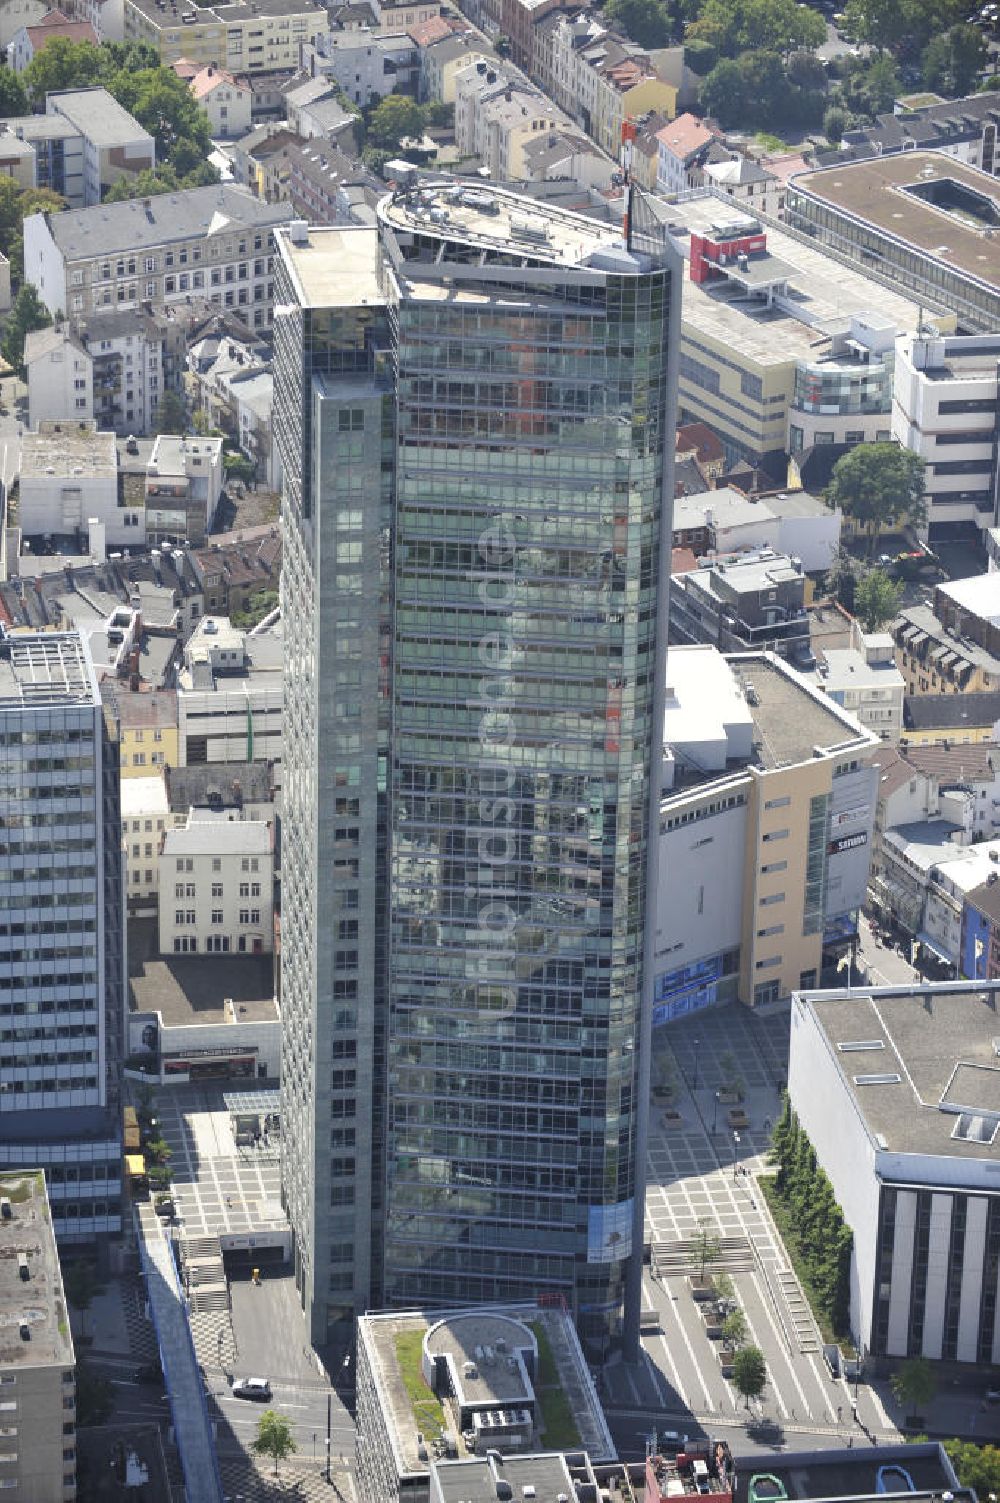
{"x": 876, "y": 599}
{"x": 274, "y": 1437}
{"x": 978, "y": 1467}
{"x": 170, "y": 415}
{"x": 161, "y": 102}
{"x": 879, "y": 486}
{"x": 647, "y": 22}
{"x": 749, "y": 1373}
{"x": 763, "y": 89}
{"x": 914, "y": 1384}
{"x": 13, "y": 95}
{"x": 887, "y": 23}
{"x": 26, "y": 314}
{"x": 394, "y": 117}
{"x": 735, "y": 26}
{"x": 952, "y": 59}
{"x": 16, "y": 203}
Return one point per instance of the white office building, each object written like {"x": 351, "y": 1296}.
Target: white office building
{"x": 229, "y": 695}
{"x": 145, "y": 817}
{"x": 945, "y": 409}
{"x": 62, "y": 960}
{"x": 216, "y": 887}
{"x": 897, "y": 1091}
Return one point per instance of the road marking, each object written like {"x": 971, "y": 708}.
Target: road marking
{"x": 694, "y": 1360}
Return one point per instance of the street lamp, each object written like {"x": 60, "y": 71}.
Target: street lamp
{"x": 695, "y": 1085}
{"x": 715, "y": 1112}
{"x": 736, "y": 1144}
{"x": 857, "y": 1372}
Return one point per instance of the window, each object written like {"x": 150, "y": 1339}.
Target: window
{"x": 216, "y": 863}
{"x": 216, "y": 889}
{"x": 216, "y": 915}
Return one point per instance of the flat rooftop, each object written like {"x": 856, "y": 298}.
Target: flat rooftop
{"x": 405, "y": 1416}
{"x": 333, "y": 268}
{"x": 478, "y": 1346}
{"x": 498, "y": 219}
{"x": 878, "y": 192}
{"x": 40, "y": 670}
{"x": 922, "y": 1064}
{"x": 816, "y": 1475}
{"x": 823, "y": 292}
{"x": 979, "y": 595}
{"x": 64, "y": 449}
{"x": 188, "y": 989}
{"x": 36, "y": 1303}
{"x": 791, "y": 721}
{"x": 545, "y": 1477}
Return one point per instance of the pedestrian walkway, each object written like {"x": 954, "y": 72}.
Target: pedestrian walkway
{"x": 192, "y": 1429}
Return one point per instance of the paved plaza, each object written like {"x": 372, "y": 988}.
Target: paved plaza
{"x": 217, "y": 1187}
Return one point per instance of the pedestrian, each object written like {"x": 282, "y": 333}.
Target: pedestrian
{"x": 229, "y": 1201}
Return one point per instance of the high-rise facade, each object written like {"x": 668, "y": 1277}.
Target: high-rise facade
{"x": 474, "y": 403}
{"x": 62, "y": 950}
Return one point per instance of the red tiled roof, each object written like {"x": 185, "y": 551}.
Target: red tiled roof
{"x": 209, "y": 78}
{"x": 435, "y": 29}
{"x": 699, "y": 437}
{"x": 682, "y": 561}
{"x": 55, "y": 24}
{"x": 684, "y": 136}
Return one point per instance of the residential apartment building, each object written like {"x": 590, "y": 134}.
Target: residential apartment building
{"x": 366, "y": 65}
{"x": 37, "y": 1370}
{"x": 889, "y": 1083}
{"x": 225, "y": 99}
{"x": 946, "y": 408}
{"x": 215, "y": 243}
{"x": 83, "y": 144}
{"x": 216, "y": 880}
{"x": 952, "y": 646}
{"x": 29, "y": 40}
{"x": 60, "y": 376}
{"x": 754, "y": 600}
{"x": 682, "y": 144}
{"x": 245, "y": 36}
{"x": 147, "y": 727}
{"x": 889, "y": 214}
{"x": 765, "y": 832}
{"x": 231, "y": 574}
{"x": 107, "y": 17}
{"x": 727, "y": 521}
{"x": 951, "y": 719}
{"x": 442, "y": 61}
{"x": 184, "y": 478}
{"x": 145, "y": 816}
{"x": 865, "y": 681}
{"x": 963, "y": 129}
{"x": 602, "y": 79}
{"x": 498, "y": 116}
{"x": 981, "y": 931}
{"x": 396, "y": 558}
{"x": 229, "y": 695}
{"x": 781, "y": 347}
{"x": 62, "y": 944}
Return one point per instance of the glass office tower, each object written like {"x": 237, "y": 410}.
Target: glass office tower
{"x": 475, "y": 406}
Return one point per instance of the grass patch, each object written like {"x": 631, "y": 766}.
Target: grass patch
{"x": 19, "y": 1190}
{"x": 427, "y": 1409}
{"x": 789, "y": 1236}
{"x": 559, "y": 1430}
{"x": 771, "y": 142}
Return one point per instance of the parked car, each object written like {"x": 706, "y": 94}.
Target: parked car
{"x": 252, "y": 1388}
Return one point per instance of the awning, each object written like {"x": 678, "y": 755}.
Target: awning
{"x": 135, "y": 1165}
{"x": 934, "y": 945}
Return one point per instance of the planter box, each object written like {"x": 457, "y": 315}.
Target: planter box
{"x": 730, "y": 1094}
{"x": 672, "y": 1117}
{"x": 713, "y": 1327}
{"x": 661, "y": 1093}
{"x": 737, "y": 1117}
{"x": 701, "y": 1288}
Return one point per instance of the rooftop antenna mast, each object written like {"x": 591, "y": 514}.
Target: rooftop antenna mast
{"x": 629, "y": 131}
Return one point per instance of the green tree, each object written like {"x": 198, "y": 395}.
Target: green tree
{"x": 395, "y": 117}
{"x": 969, "y": 51}
{"x": 145, "y": 184}
{"x": 170, "y": 415}
{"x": 834, "y": 124}
{"x": 706, "y": 1248}
{"x": 914, "y": 1384}
{"x": 274, "y": 1437}
{"x": 644, "y": 21}
{"x": 879, "y": 486}
{"x": 723, "y": 93}
{"x": 27, "y": 313}
{"x": 749, "y": 1373}
{"x": 163, "y": 105}
{"x": 935, "y": 64}
{"x": 758, "y": 25}
{"x": 978, "y": 1467}
{"x": 734, "y": 1329}
{"x": 700, "y": 56}
{"x": 805, "y": 70}
{"x": 876, "y": 599}
{"x": 62, "y": 64}
{"x": 781, "y": 1138}
{"x": 13, "y": 95}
